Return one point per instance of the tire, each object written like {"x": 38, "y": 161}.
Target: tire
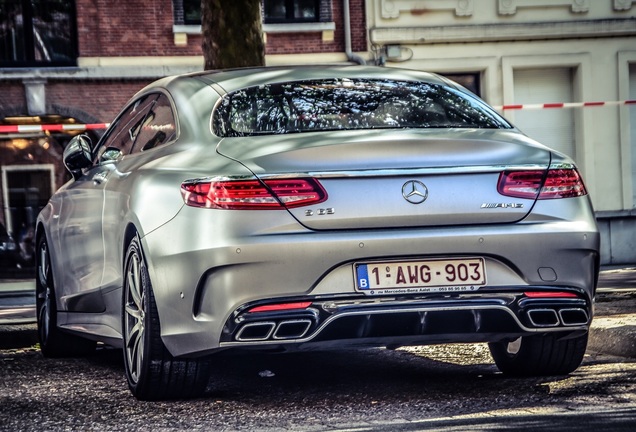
{"x": 53, "y": 342}
{"x": 152, "y": 372}
{"x": 539, "y": 355}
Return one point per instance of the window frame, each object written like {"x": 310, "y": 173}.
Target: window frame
{"x": 289, "y": 18}
{"x": 327, "y": 104}
{"x": 125, "y": 122}
{"x": 161, "y": 100}
{"x": 322, "y": 11}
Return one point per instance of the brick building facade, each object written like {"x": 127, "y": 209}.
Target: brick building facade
{"x": 80, "y": 61}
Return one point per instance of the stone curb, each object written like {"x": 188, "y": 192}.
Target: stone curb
{"x": 613, "y": 335}
{"x": 613, "y": 329}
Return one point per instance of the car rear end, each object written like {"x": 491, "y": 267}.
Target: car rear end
{"x": 321, "y": 272}
{"x": 387, "y": 237}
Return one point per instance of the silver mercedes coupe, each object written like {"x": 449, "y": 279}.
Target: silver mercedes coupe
{"x": 301, "y": 208}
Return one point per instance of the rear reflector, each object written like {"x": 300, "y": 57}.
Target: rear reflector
{"x": 272, "y": 194}
{"x": 281, "y": 307}
{"x": 537, "y": 184}
{"x": 550, "y": 294}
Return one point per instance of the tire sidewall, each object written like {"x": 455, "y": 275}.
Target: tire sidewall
{"x": 41, "y": 297}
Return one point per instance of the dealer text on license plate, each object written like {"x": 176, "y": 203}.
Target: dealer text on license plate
{"x": 451, "y": 275}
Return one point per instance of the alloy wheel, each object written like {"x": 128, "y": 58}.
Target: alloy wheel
{"x": 134, "y": 316}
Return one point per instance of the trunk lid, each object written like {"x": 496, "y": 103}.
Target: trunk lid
{"x": 397, "y": 178}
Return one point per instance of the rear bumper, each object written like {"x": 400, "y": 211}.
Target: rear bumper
{"x": 205, "y": 281}
{"x": 484, "y": 317}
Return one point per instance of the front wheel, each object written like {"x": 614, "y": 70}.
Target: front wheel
{"x": 152, "y": 372}
{"x": 53, "y": 342}
{"x": 539, "y": 355}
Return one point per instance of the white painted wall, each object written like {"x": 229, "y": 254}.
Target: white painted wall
{"x": 632, "y": 127}
{"x": 552, "y": 127}
{"x": 593, "y": 42}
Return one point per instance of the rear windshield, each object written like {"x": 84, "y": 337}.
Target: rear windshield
{"x": 340, "y": 104}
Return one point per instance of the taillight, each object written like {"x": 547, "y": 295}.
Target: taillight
{"x": 271, "y": 194}
{"x": 537, "y": 184}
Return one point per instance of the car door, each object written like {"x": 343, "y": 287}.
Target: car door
{"x": 156, "y": 127}
{"x": 83, "y": 206}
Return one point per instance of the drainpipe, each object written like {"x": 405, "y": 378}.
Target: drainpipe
{"x": 347, "y": 35}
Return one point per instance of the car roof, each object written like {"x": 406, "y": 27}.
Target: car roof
{"x": 226, "y": 81}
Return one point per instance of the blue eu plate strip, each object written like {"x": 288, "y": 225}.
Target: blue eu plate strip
{"x": 363, "y": 276}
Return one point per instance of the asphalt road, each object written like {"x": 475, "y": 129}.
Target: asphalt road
{"x": 446, "y": 387}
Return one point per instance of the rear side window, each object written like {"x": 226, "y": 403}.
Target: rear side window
{"x": 120, "y": 137}
{"x": 158, "y": 127}
{"x": 344, "y": 104}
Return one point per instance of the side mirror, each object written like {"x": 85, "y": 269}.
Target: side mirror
{"x": 77, "y": 155}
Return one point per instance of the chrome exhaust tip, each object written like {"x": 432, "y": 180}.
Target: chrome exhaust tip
{"x": 574, "y": 316}
{"x": 256, "y": 331}
{"x": 543, "y": 317}
{"x": 292, "y": 329}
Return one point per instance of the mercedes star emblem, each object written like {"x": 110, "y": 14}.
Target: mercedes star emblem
{"x": 414, "y": 192}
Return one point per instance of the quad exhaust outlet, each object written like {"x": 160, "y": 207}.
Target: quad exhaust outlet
{"x": 554, "y": 317}
{"x": 271, "y": 330}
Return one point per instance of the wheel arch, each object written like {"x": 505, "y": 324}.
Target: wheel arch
{"x": 130, "y": 232}
{"x": 39, "y": 232}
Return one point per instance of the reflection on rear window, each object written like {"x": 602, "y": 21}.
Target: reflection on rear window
{"x": 340, "y": 104}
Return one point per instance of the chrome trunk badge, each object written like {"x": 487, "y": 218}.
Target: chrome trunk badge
{"x": 414, "y": 191}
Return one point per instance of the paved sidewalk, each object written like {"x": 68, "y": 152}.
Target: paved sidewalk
{"x": 17, "y": 301}
{"x": 614, "y": 325}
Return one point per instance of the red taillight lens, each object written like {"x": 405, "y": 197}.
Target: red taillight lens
{"x": 252, "y": 194}
{"x": 558, "y": 183}
{"x": 563, "y": 183}
{"x": 281, "y": 307}
{"x": 550, "y": 294}
{"x": 520, "y": 184}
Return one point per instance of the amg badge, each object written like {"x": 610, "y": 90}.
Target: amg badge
{"x": 501, "y": 205}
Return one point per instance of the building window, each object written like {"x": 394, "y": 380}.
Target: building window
{"x": 274, "y": 11}
{"x": 37, "y": 33}
{"x": 291, "y": 11}
{"x": 191, "y": 11}
{"x": 471, "y": 81}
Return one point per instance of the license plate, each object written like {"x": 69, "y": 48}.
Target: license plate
{"x": 448, "y": 275}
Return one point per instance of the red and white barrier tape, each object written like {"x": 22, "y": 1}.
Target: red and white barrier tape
{"x": 93, "y": 126}
{"x": 563, "y": 105}
{"x": 51, "y": 127}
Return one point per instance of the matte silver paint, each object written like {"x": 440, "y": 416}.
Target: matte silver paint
{"x": 205, "y": 264}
